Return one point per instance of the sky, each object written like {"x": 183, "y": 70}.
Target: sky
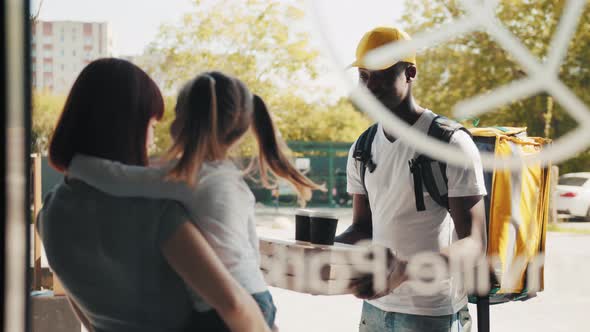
{"x": 345, "y": 24}
{"x": 135, "y": 23}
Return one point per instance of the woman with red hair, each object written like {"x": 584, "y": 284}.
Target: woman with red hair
{"x": 125, "y": 262}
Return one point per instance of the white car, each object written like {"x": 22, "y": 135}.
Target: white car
{"x": 573, "y": 195}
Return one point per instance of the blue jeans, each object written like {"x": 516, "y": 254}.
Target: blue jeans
{"x": 267, "y": 306}
{"x": 374, "y": 319}
{"x": 210, "y": 320}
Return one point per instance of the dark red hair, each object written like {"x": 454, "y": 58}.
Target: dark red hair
{"x": 107, "y": 114}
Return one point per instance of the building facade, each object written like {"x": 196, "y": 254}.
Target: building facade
{"x": 60, "y": 49}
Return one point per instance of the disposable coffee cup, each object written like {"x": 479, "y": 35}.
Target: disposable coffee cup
{"x": 302, "y": 225}
{"x": 323, "y": 228}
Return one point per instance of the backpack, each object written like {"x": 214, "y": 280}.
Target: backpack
{"x": 427, "y": 172}
{"x": 530, "y": 188}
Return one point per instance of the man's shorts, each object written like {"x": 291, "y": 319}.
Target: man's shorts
{"x": 374, "y": 319}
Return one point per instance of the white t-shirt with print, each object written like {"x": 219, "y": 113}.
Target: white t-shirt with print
{"x": 399, "y": 226}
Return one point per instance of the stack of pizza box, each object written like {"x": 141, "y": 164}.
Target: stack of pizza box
{"x": 313, "y": 269}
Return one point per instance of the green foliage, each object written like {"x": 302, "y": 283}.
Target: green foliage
{"x": 262, "y": 43}
{"x": 300, "y": 121}
{"x": 255, "y": 40}
{"x": 46, "y": 111}
{"x": 474, "y": 63}
{"x": 162, "y": 139}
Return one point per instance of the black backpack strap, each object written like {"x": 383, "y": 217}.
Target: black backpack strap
{"x": 432, "y": 173}
{"x": 362, "y": 152}
{"x": 415, "y": 166}
{"x": 443, "y": 128}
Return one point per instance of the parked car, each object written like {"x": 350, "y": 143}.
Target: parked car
{"x": 573, "y": 195}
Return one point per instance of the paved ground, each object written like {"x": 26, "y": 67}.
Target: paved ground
{"x": 563, "y": 306}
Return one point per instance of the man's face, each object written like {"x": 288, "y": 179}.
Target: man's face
{"x": 388, "y": 85}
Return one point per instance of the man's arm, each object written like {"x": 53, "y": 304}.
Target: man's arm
{"x": 469, "y": 217}
{"x": 362, "y": 224}
{"x": 468, "y": 214}
{"x": 467, "y": 208}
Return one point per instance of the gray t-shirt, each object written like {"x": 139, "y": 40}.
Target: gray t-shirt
{"x": 106, "y": 252}
{"x": 221, "y": 205}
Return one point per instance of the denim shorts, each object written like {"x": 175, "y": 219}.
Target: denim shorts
{"x": 211, "y": 321}
{"x": 267, "y": 306}
{"x": 374, "y": 319}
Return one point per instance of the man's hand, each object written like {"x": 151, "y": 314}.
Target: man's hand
{"x": 362, "y": 224}
{"x": 363, "y": 287}
{"x": 352, "y": 235}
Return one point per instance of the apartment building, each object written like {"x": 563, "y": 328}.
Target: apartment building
{"x": 60, "y": 49}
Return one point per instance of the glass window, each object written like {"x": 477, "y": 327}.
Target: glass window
{"x": 572, "y": 181}
{"x": 47, "y": 68}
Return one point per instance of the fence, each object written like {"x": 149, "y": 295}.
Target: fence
{"x": 327, "y": 165}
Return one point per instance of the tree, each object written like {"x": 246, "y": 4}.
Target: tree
{"x": 301, "y": 121}
{"x": 262, "y": 43}
{"x": 46, "y": 110}
{"x": 473, "y": 64}
{"x": 254, "y": 40}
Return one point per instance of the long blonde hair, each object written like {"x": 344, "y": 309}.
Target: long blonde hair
{"x": 214, "y": 111}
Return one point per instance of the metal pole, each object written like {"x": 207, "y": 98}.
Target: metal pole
{"x": 16, "y": 111}
{"x": 554, "y": 176}
{"x": 330, "y": 174}
{"x": 37, "y": 202}
{"x": 483, "y": 314}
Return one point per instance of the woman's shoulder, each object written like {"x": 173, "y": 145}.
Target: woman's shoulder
{"x": 79, "y": 194}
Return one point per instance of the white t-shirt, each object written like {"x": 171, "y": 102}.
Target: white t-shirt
{"x": 399, "y": 226}
{"x": 221, "y": 205}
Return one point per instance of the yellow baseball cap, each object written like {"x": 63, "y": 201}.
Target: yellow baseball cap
{"x": 376, "y": 38}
